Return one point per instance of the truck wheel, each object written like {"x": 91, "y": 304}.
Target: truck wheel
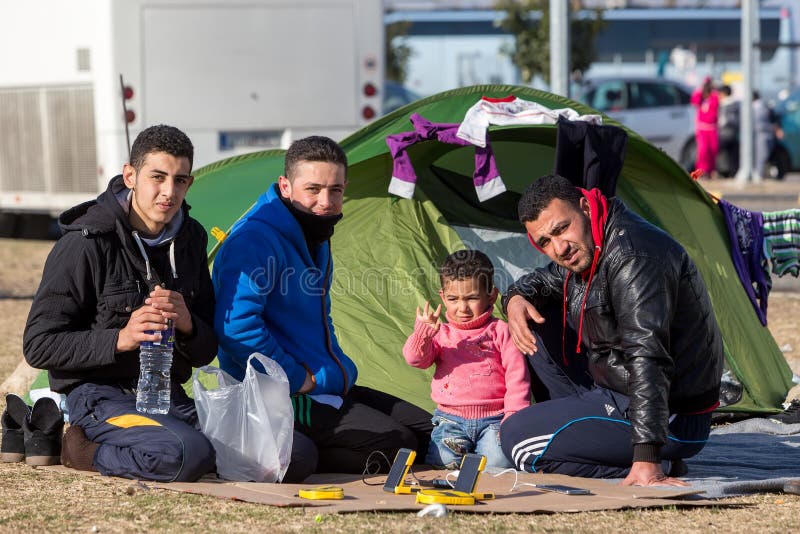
{"x": 778, "y": 164}
{"x": 689, "y": 156}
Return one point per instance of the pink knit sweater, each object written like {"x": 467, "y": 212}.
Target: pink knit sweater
{"x": 479, "y": 371}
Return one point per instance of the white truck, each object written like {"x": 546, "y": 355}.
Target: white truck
{"x": 236, "y": 75}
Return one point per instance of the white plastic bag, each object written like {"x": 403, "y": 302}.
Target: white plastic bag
{"x": 249, "y": 423}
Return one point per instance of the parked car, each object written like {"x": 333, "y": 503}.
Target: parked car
{"x": 396, "y": 96}
{"x": 658, "y": 109}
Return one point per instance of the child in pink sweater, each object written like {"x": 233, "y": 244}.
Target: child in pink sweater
{"x": 481, "y": 377}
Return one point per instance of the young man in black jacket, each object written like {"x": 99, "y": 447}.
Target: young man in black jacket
{"x": 127, "y": 263}
{"x": 639, "y": 383}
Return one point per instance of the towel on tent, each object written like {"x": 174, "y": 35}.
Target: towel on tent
{"x": 511, "y": 111}
{"x": 746, "y": 234}
{"x": 782, "y": 241}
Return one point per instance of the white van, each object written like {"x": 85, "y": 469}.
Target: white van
{"x": 236, "y": 75}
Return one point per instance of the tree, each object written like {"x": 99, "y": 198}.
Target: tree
{"x": 397, "y": 51}
{"x": 531, "y": 49}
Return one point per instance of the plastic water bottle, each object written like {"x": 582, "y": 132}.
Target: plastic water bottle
{"x": 155, "y": 362}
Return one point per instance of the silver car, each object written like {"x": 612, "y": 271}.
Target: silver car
{"x": 658, "y": 109}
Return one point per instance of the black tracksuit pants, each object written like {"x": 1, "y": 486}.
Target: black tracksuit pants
{"x": 369, "y": 422}
{"x": 582, "y": 429}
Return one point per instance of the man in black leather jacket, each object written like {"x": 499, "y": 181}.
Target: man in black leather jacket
{"x": 640, "y": 385}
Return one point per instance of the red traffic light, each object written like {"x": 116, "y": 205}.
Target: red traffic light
{"x": 367, "y": 112}
{"x": 369, "y": 89}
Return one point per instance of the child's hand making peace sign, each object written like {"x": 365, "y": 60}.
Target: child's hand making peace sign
{"x": 430, "y": 318}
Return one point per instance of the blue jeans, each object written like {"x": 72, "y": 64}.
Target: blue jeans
{"x": 454, "y": 436}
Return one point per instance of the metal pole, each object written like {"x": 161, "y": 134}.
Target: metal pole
{"x": 746, "y": 107}
{"x": 559, "y": 47}
{"x": 755, "y": 21}
{"x": 125, "y": 115}
{"x": 755, "y": 80}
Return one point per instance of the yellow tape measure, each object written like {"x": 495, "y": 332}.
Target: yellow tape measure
{"x": 428, "y": 496}
{"x": 322, "y": 492}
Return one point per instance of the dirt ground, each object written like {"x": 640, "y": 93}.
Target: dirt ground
{"x": 46, "y": 501}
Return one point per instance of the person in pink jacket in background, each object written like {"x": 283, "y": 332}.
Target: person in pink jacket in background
{"x": 481, "y": 377}
{"x": 706, "y": 100}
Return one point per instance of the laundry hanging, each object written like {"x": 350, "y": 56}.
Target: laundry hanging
{"x": 486, "y": 177}
{"x": 745, "y": 231}
{"x": 511, "y": 110}
{"x": 782, "y": 241}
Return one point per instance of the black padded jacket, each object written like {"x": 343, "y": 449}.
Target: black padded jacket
{"x": 649, "y": 330}
{"x": 94, "y": 277}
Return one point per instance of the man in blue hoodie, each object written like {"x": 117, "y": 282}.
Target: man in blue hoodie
{"x": 272, "y": 280}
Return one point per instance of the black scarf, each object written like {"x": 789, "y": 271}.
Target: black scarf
{"x": 316, "y": 228}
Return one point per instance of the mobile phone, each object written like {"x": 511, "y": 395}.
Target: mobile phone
{"x": 471, "y": 466}
{"x": 566, "y": 490}
{"x": 441, "y": 483}
{"x": 397, "y": 474}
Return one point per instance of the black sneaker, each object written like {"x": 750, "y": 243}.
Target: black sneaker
{"x": 790, "y": 416}
{"x": 43, "y": 430}
{"x": 12, "y": 448}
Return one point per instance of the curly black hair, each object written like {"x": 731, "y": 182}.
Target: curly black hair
{"x": 161, "y": 138}
{"x": 542, "y": 192}
{"x": 466, "y": 264}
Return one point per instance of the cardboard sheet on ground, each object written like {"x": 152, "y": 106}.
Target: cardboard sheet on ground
{"x": 362, "y": 497}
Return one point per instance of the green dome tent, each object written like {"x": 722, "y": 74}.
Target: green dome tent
{"x": 387, "y": 249}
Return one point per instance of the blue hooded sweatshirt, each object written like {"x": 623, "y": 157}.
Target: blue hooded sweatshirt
{"x": 273, "y": 298}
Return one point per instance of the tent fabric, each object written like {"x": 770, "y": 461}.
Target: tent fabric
{"x": 387, "y": 249}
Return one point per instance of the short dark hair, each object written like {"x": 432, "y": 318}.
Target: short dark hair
{"x": 161, "y": 138}
{"x": 313, "y": 148}
{"x": 542, "y": 192}
{"x": 466, "y": 264}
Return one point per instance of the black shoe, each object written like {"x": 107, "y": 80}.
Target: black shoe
{"x": 790, "y": 416}
{"x": 43, "y": 430}
{"x": 16, "y": 413}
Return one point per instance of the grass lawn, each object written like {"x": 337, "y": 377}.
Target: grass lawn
{"x": 36, "y": 500}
